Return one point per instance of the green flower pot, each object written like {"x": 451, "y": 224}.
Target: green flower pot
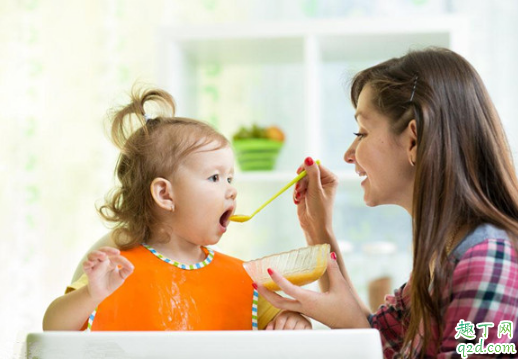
{"x": 257, "y": 154}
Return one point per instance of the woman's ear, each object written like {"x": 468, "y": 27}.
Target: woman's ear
{"x": 162, "y": 192}
{"x": 411, "y": 141}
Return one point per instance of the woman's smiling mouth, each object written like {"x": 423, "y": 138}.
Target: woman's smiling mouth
{"x": 362, "y": 174}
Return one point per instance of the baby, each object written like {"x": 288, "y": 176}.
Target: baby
{"x": 174, "y": 201}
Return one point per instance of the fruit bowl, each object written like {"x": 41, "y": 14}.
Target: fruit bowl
{"x": 300, "y": 266}
{"x": 257, "y": 148}
{"x": 257, "y": 154}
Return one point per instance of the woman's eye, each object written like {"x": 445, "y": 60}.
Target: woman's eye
{"x": 359, "y": 135}
{"x": 214, "y": 178}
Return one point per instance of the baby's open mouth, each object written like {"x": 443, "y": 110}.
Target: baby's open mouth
{"x": 224, "y": 219}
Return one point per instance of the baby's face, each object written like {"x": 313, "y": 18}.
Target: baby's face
{"x": 204, "y": 195}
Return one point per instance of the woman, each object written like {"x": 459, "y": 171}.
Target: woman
{"x": 430, "y": 141}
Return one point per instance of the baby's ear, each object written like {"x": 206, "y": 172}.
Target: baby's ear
{"x": 162, "y": 192}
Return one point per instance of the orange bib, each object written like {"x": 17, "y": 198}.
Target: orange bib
{"x": 161, "y": 294}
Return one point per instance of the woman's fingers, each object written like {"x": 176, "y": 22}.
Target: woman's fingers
{"x": 319, "y": 180}
{"x": 278, "y": 301}
{"x": 285, "y": 285}
{"x": 300, "y": 188}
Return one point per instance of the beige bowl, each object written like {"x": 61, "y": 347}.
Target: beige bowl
{"x": 299, "y": 266}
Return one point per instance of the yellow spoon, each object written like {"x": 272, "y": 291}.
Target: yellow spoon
{"x": 244, "y": 218}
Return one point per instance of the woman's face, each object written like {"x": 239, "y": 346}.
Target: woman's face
{"x": 381, "y": 157}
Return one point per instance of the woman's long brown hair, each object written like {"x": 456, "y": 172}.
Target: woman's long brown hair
{"x": 464, "y": 170}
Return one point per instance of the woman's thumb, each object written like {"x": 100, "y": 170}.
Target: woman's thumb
{"x": 333, "y": 270}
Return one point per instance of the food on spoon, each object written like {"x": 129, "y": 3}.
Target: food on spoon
{"x": 239, "y": 218}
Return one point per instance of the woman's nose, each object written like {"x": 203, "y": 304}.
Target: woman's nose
{"x": 349, "y": 154}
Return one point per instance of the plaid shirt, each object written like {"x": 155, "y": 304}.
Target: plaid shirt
{"x": 483, "y": 288}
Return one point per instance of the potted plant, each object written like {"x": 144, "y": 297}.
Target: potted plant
{"x": 257, "y": 148}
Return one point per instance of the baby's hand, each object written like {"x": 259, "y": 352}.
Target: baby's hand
{"x": 287, "y": 320}
{"x": 106, "y": 270}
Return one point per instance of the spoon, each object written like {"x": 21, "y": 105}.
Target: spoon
{"x": 244, "y": 218}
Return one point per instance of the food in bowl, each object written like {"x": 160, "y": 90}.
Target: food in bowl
{"x": 300, "y": 266}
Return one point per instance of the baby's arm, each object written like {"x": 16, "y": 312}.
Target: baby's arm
{"x": 106, "y": 270}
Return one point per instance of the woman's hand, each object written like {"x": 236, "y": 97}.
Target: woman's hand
{"x": 314, "y": 197}
{"x": 336, "y": 308}
{"x": 287, "y": 320}
{"x": 106, "y": 269}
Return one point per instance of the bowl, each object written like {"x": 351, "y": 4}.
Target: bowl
{"x": 300, "y": 266}
{"x": 257, "y": 154}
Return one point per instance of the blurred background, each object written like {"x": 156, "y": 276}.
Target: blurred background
{"x": 283, "y": 63}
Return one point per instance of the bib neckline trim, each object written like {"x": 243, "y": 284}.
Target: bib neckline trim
{"x": 209, "y": 252}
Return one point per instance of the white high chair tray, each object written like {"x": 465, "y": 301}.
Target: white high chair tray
{"x": 310, "y": 344}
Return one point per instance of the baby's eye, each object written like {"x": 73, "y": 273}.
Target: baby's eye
{"x": 359, "y": 135}
{"x": 214, "y": 178}
{"x": 230, "y": 179}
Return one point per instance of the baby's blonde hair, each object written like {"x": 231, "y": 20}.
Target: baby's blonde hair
{"x": 149, "y": 148}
